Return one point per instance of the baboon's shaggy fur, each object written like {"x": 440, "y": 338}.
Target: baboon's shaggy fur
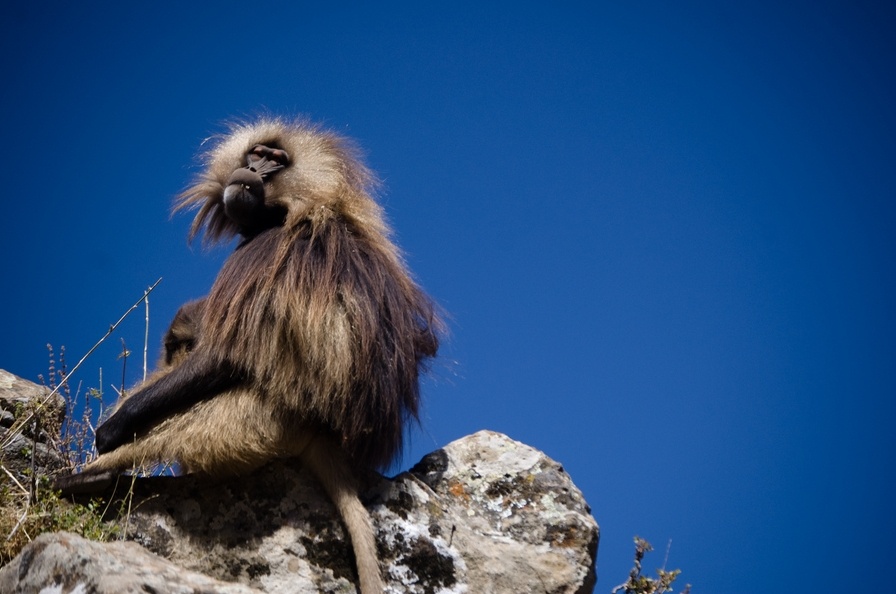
{"x": 320, "y": 311}
{"x": 310, "y": 342}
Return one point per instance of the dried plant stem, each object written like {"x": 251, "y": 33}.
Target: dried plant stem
{"x": 146, "y": 331}
{"x": 21, "y": 422}
{"x": 35, "y": 432}
{"x": 14, "y": 479}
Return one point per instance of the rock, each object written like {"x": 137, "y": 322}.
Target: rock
{"x": 66, "y": 563}
{"x": 484, "y": 514}
{"x": 18, "y": 397}
{"x": 519, "y": 522}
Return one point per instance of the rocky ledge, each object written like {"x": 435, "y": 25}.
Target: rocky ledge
{"x": 483, "y": 514}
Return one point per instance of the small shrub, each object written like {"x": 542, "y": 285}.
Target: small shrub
{"x": 641, "y": 584}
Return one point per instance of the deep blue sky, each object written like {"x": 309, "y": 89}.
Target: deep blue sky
{"x": 664, "y": 233}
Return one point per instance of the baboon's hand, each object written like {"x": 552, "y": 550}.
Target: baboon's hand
{"x": 197, "y": 378}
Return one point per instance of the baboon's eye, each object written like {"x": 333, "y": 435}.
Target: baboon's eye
{"x": 262, "y": 152}
{"x": 280, "y": 156}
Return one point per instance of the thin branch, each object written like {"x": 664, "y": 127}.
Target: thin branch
{"x": 35, "y": 431}
{"x": 20, "y": 423}
{"x": 125, "y": 353}
{"x": 20, "y": 522}
{"x": 18, "y": 484}
{"x": 146, "y": 331}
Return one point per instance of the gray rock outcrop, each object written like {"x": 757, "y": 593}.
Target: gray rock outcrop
{"x": 484, "y": 514}
{"x": 19, "y": 400}
{"x": 62, "y": 563}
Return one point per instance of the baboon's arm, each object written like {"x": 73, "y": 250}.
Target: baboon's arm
{"x": 197, "y": 379}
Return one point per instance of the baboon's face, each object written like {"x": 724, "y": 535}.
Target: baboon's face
{"x": 275, "y": 173}
{"x": 245, "y": 193}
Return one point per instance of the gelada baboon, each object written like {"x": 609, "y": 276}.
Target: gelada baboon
{"x": 311, "y": 339}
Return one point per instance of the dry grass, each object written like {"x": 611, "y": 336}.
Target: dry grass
{"x": 28, "y": 504}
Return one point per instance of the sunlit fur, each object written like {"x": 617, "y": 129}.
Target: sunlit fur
{"x": 319, "y": 314}
{"x": 321, "y": 311}
{"x": 234, "y": 433}
{"x": 231, "y": 434}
